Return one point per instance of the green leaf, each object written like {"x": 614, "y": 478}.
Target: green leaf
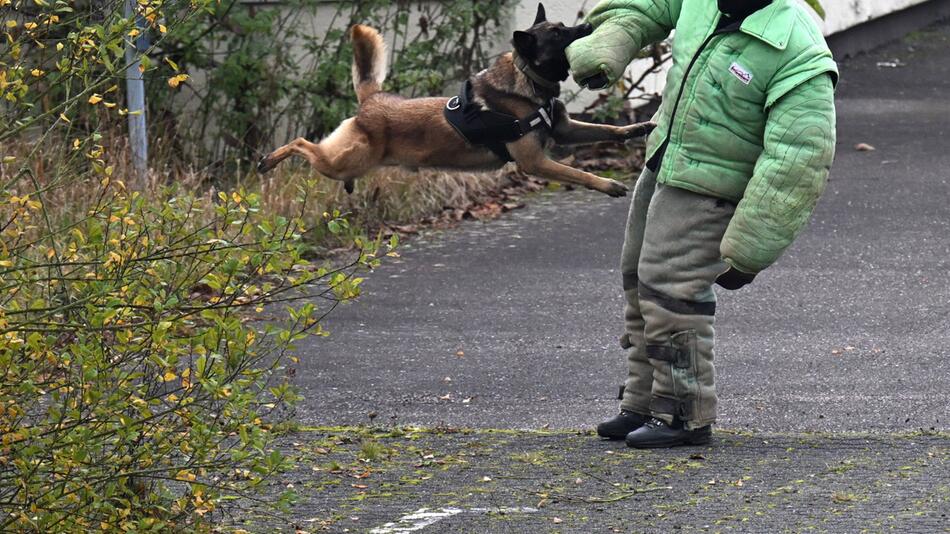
{"x": 816, "y": 5}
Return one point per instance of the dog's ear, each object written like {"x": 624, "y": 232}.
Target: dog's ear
{"x": 541, "y": 16}
{"x": 525, "y": 43}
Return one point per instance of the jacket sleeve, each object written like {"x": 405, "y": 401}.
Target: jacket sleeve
{"x": 622, "y": 29}
{"x": 789, "y": 176}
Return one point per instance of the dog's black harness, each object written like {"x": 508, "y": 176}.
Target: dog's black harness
{"x": 493, "y": 129}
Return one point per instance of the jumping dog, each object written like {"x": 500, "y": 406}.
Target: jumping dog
{"x": 507, "y": 112}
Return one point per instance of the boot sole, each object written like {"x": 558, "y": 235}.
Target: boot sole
{"x": 693, "y": 441}
{"x": 618, "y": 436}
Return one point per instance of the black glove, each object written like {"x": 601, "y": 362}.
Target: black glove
{"x": 598, "y": 81}
{"x": 734, "y": 279}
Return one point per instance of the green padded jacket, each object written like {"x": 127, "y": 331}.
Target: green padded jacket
{"x": 747, "y": 115}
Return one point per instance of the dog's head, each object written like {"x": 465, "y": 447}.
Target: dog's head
{"x": 543, "y": 45}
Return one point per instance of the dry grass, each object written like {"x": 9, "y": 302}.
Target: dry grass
{"x": 390, "y": 196}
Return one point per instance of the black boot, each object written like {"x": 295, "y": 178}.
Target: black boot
{"x": 656, "y": 434}
{"x": 618, "y": 426}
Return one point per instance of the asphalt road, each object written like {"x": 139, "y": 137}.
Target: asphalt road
{"x": 513, "y": 323}
{"x": 381, "y": 482}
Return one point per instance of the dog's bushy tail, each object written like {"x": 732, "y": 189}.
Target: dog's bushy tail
{"x": 369, "y": 61}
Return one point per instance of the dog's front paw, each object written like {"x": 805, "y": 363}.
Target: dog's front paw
{"x": 265, "y": 165}
{"x": 638, "y": 130}
{"x": 613, "y": 188}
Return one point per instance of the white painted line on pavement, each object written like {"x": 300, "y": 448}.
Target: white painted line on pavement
{"x": 423, "y": 518}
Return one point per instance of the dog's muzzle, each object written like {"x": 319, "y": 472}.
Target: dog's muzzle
{"x": 584, "y": 30}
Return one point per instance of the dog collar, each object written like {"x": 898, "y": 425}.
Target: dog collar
{"x": 532, "y": 74}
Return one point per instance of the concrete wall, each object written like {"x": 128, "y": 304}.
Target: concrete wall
{"x": 844, "y": 14}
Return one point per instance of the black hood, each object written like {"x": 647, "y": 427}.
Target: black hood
{"x": 740, "y": 9}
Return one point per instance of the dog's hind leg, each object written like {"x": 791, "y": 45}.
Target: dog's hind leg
{"x": 345, "y": 155}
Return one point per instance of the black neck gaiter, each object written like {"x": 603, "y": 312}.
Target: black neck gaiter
{"x": 740, "y": 9}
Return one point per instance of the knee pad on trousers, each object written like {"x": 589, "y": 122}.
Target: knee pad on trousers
{"x": 680, "y": 353}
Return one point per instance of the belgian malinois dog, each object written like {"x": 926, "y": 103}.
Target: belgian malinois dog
{"x": 392, "y": 130}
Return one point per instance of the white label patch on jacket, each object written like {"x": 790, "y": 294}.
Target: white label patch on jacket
{"x": 741, "y": 72}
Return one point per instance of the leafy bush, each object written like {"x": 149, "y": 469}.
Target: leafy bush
{"x": 141, "y": 353}
{"x": 143, "y": 331}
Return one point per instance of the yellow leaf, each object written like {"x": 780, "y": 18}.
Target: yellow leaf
{"x": 109, "y": 105}
{"x": 236, "y": 198}
{"x": 29, "y": 25}
{"x": 64, "y": 117}
{"x": 59, "y": 47}
{"x": 134, "y": 32}
{"x": 169, "y": 376}
{"x": 9, "y": 159}
{"x": 162, "y": 28}
{"x": 171, "y": 64}
{"x": 176, "y": 80}
{"x": 36, "y": 72}
{"x": 11, "y": 24}
{"x": 6, "y": 263}
{"x": 95, "y": 99}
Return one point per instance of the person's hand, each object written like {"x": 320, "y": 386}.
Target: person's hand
{"x": 734, "y": 279}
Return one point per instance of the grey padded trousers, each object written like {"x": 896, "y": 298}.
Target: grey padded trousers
{"x": 670, "y": 261}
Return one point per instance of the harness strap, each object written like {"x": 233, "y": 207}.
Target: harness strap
{"x": 493, "y": 129}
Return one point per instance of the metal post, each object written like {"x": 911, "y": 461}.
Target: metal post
{"x": 135, "y": 99}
